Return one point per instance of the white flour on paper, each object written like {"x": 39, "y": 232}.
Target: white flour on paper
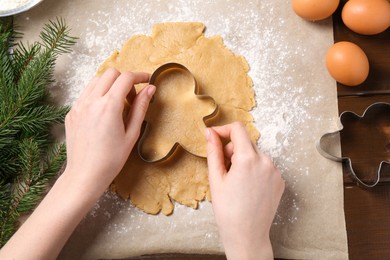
{"x": 282, "y": 106}
{"x": 269, "y": 57}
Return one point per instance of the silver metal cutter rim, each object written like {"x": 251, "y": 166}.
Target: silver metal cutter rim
{"x": 323, "y": 151}
{"x": 176, "y": 145}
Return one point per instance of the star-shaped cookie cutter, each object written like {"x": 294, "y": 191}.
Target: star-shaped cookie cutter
{"x": 159, "y": 71}
{"x": 326, "y": 142}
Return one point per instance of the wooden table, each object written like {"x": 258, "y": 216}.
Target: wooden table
{"x": 367, "y": 212}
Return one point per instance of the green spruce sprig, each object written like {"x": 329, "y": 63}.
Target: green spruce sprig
{"x": 29, "y": 158}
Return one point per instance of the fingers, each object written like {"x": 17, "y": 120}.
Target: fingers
{"x": 87, "y": 91}
{"x": 125, "y": 83}
{"x": 118, "y": 85}
{"x": 105, "y": 82}
{"x": 238, "y": 135}
{"x": 215, "y": 156}
{"x": 130, "y": 97}
{"x": 228, "y": 150}
{"x": 138, "y": 111}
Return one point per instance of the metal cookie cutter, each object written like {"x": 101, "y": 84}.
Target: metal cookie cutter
{"x": 158, "y": 72}
{"x": 327, "y": 141}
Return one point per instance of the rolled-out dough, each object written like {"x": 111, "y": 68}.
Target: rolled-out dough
{"x": 220, "y": 74}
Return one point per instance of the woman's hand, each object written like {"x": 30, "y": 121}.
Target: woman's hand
{"x": 98, "y": 139}
{"x": 245, "y": 196}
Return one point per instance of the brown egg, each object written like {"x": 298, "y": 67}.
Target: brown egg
{"x": 347, "y": 63}
{"x": 315, "y": 10}
{"x": 366, "y": 16}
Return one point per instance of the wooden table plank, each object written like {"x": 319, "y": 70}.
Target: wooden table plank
{"x": 367, "y": 212}
{"x": 367, "y": 215}
{"x": 179, "y": 257}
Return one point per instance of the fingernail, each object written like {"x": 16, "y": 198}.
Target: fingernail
{"x": 151, "y": 90}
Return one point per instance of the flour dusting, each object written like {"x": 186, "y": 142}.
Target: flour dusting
{"x": 282, "y": 105}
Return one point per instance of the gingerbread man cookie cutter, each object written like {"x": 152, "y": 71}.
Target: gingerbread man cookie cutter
{"x": 176, "y": 146}
{"x": 325, "y": 145}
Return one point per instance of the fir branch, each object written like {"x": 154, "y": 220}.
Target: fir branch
{"x": 28, "y": 157}
{"x": 18, "y": 202}
{"x": 7, "y": 40}
{"x": 7, "y": 225}
{"x": 55, "y": 37}
{"x": 6, "y": 136}
{"x": 54, "y": 161}
{"x": 34, "y": 79}
{"x": 22, "y": 56}
{"x": 5, "y": 193}
{"x": 8, "y": 34}
{"x": 6, "y": 75}
{"x": 9, "y": 162}
{"x": 38, "y": 119}
{"x": 23, "y": 185}
{"x": 34, "y": 66}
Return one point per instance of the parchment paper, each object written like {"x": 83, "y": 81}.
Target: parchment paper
{"x": 296, "y": 104}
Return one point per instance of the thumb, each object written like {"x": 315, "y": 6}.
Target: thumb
{"x": 215, "y": 156}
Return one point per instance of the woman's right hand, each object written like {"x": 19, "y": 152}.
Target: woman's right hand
{"x": 245, "y": 196}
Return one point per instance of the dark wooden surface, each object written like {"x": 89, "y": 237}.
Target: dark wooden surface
{"x": 367, "y": 212}
{"x": 180, "y": 257}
